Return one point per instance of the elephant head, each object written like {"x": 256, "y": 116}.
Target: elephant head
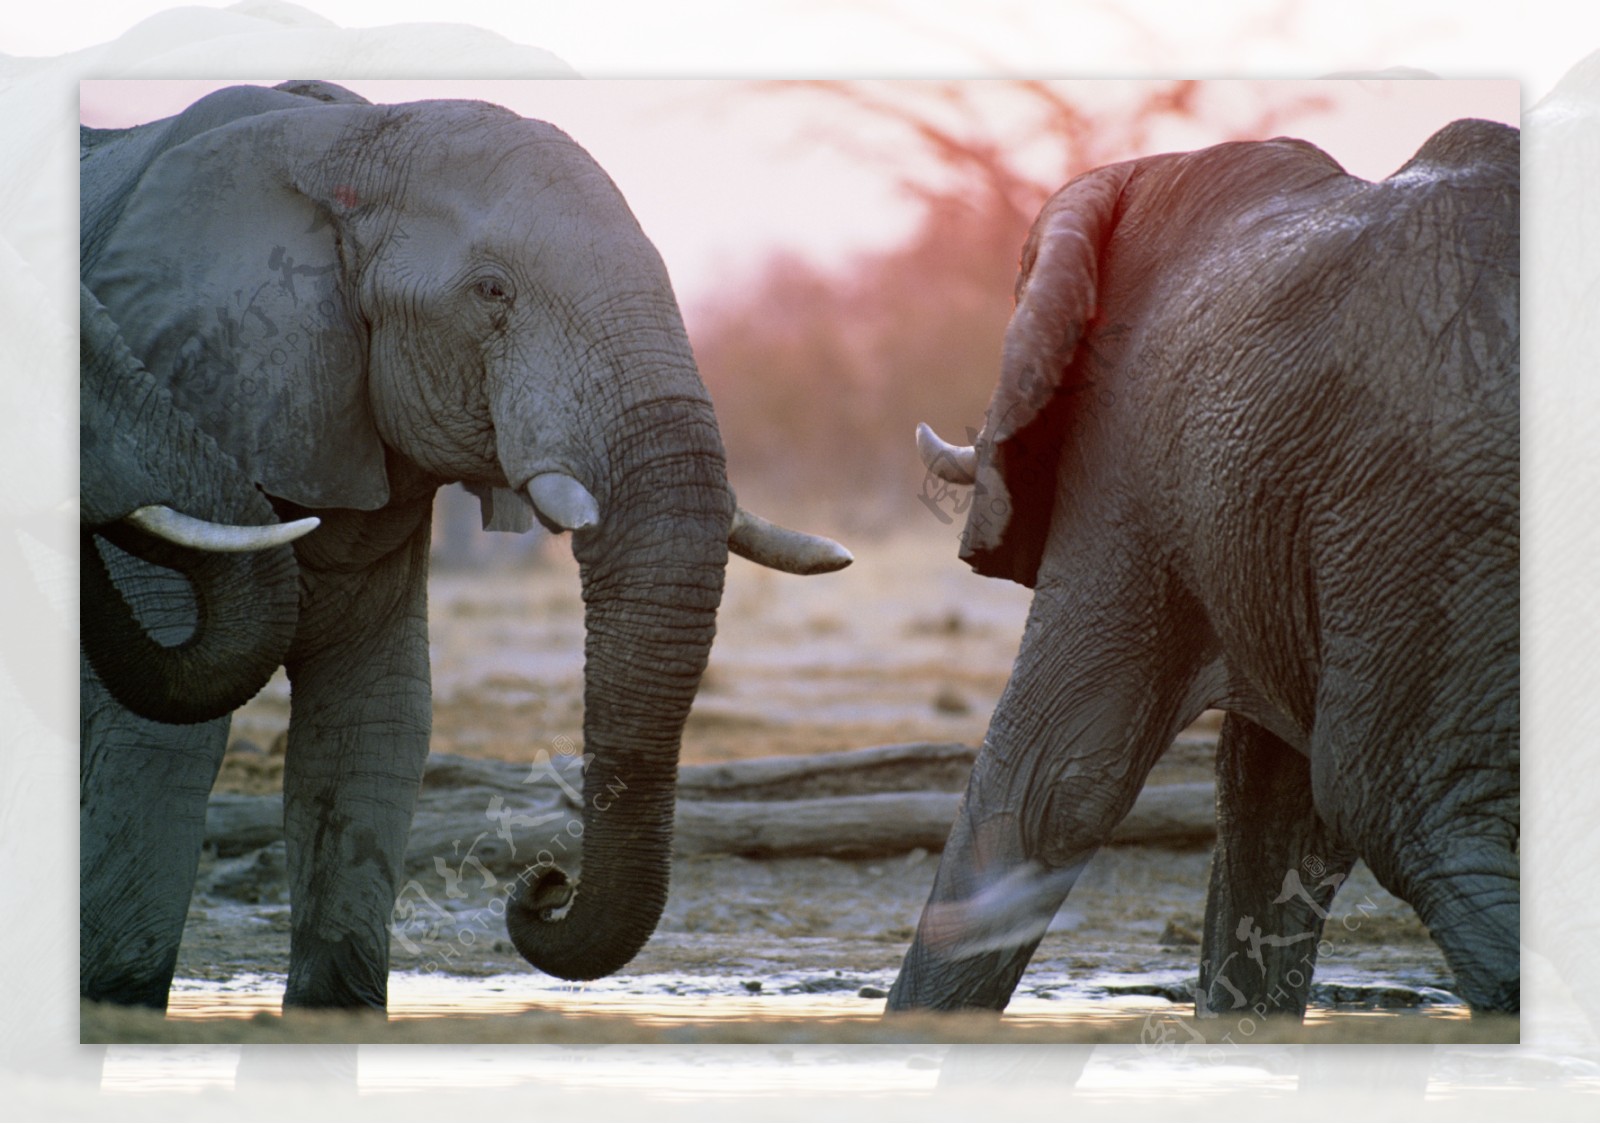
{"x": 145, "y": 465}
{"x": 1254, "y": 445}
{"x": 360, "y": 303}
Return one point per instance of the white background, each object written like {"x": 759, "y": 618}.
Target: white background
{"x": 1533, "y": 43}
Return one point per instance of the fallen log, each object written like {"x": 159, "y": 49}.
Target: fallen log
{"x": 1171, "y": 815}
{"x": 482, "y": 829}
{"x": 881, "y": 823}
{"x": 911, "y": 767}
{"x": 866, "y": 802}
{"x": 552, "y": 770}
{"x": 892, "y": 823}
{"x": 237, "y": 825}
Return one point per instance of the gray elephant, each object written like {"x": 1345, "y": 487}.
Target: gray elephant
{"x": 359, "y": 304}
{"x": 1255, "y": 447}
{"x": 159, "y": 488}
{"x": 186, "y": 524}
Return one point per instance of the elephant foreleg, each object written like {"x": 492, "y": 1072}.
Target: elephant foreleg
{"x": 141, "y": 822}
{"x": 358, "y": 740}
{"x": 1274, "y": 873}
{"x": 1063, "y": 762}
{"x": 987, "y": 913}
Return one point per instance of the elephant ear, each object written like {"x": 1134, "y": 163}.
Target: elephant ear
{"x": 230, "y": 275}
{"x": 1031, "y": 412}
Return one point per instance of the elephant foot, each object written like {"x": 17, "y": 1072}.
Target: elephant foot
{"x": 336, "y": 974}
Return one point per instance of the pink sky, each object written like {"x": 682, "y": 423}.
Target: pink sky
{"x": 721, "y": 175}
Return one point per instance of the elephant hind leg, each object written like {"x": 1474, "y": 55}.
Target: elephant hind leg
{"x": 1274, "y": 873}
{"x": 1463, "y": 879}
{"x": 1464, "y": 882}
{"x": 1428, "y": 791}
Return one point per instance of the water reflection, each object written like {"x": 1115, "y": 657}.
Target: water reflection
{"x": 1151, "y": 1066}
{"x": 325, "y": 1068}
{"x": 664, "y": 1001}
{"x": 1104, "y": 1074}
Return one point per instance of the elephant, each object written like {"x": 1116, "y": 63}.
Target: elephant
{"x": 357, "y": 304}
{"x": 144, "y": 465}
{"x": 147, "y": 469}
{"x": 1254, "y": 447}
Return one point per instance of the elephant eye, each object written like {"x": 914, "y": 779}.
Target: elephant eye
{"x": 491, "y": 289}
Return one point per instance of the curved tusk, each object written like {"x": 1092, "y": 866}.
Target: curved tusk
{"x": 954, "y": 464}
{"x": 217, "y": 538}
{"x": 779, "y": 548}
{"x": 562, "y": 503}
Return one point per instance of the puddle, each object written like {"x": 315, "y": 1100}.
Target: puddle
{"x": 1147, "y": 1056}
{"x": 676, "y": 1000}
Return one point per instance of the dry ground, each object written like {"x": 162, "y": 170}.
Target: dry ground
{"x": 906, "y": 645}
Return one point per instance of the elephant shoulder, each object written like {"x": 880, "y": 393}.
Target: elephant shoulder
{"x": 1205, "y": 206}
{"x": 1486, "y": 151}
{"x": 112, "y": 162}
{"x": 90, "y": 139}
{"x": 233, "y": 103}
{"x": 330, "y": 92}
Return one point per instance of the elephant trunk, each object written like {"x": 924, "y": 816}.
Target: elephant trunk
{"x": 241, "y": 632}
{"x": 139, "y": 449}
{"x": 652, "y": 581}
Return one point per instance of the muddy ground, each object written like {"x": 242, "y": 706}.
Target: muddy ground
{"x": 906, "y": 645}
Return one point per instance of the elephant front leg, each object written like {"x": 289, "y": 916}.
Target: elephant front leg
{"x": 988, "y": 911}
{"x": 358, "y": 742}
{"x": 1070, "y": 745}
{"x": 1274, "y": 873}
{"x": 141, "y": 823}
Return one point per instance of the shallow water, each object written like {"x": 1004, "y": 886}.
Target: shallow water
{"x": 678, "y": 999}
{"x": 672, "y": 1000}
{"x": 1146, "y": 1058}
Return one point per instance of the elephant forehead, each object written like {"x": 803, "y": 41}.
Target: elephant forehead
{"x": 498, "y": 155}
{"x": 509, "y": 203}
{"x": 552, "y": 212}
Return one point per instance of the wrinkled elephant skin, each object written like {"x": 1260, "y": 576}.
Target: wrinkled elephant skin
{"x": 357, "y": 304}
{"x": 1255, "y": 448}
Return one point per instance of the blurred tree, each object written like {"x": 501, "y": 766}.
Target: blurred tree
{"x": 821, "y": 377}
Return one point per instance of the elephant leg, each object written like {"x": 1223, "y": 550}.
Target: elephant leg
{"x": 1071, "y": 742}
{"x": 141, "y": 823}
{"x": 982, "y": 921}
{"x": 361, "y": 714}
{"x": 1274, "y": 873}
{"x": 1436, "y": 815}
{"x": 1459, "y": 870}
{"x": 1466, "y": 886}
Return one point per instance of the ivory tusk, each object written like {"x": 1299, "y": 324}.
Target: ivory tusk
{"x": 562, "y": 503}
{"x": 217, "y": 538}
{"x": 954, "y": 464}
{"x": 779, "y": 548}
